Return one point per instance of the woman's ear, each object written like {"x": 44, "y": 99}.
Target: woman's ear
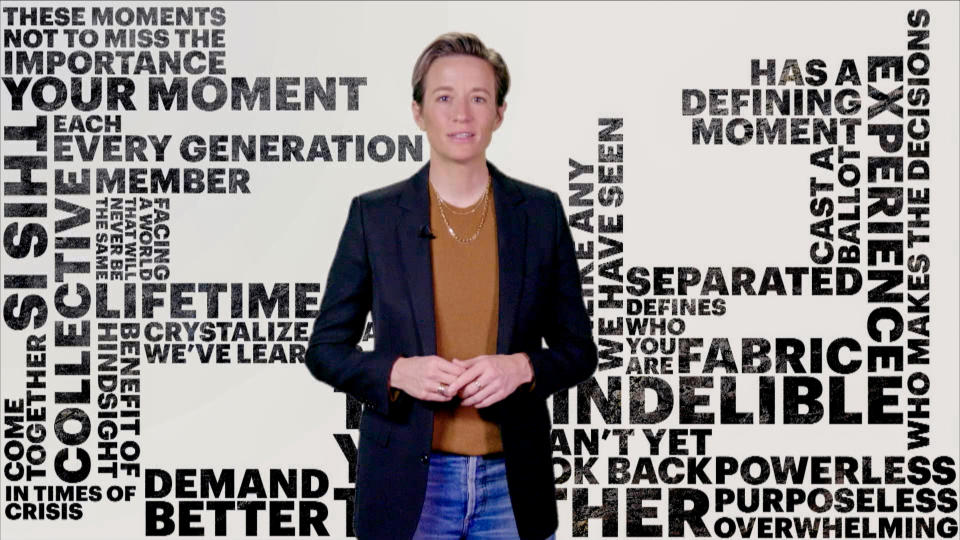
{"x": 500, "y": 110}
{"x": 417, "y": 114}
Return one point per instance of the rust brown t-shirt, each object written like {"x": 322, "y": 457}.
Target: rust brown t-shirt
{"x": 466, "y": 299}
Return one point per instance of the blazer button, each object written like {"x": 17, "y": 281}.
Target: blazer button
{"x": 425, "y": 459}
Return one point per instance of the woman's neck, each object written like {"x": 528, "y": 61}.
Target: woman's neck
{"x": 459, "y": 184}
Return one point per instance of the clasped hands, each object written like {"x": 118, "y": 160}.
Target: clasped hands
{"x": 480, "y": 381}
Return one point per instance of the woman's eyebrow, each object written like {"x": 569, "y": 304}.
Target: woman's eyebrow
{"x": 450, "y": 89}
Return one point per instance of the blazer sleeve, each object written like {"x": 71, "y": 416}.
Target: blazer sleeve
{"x": 571, "y": 354}
{"x": 332, "y": 355}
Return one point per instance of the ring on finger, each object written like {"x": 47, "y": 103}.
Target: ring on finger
{"x": 442, "y": 389}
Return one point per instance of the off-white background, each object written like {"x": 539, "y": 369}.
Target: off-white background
{"x": 570, "y": 63}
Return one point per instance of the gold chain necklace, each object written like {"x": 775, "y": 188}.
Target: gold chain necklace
{"x": 483, "y": 216}
{"x": 472, "y": 208}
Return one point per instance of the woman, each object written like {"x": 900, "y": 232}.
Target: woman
{"x": 466, "y": 271}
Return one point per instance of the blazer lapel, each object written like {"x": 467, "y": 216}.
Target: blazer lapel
{"x": 415, "y": 256}
{"x": 511, "y": 251}
{"x": 416, "y": 259}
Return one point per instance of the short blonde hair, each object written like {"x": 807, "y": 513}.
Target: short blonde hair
{"x": 453, "y": 43}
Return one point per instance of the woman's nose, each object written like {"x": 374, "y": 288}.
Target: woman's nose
{"x": 461, "y": 111}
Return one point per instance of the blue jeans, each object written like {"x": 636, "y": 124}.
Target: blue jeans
{"x": 467, "y": 498}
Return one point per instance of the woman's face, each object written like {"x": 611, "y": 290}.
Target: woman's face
{"x": 459, "y": 112}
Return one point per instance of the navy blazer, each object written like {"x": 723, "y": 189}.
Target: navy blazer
{"x": 383, "y": 265}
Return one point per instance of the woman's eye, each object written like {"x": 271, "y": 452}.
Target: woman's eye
{"x": 443, "y": 98}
